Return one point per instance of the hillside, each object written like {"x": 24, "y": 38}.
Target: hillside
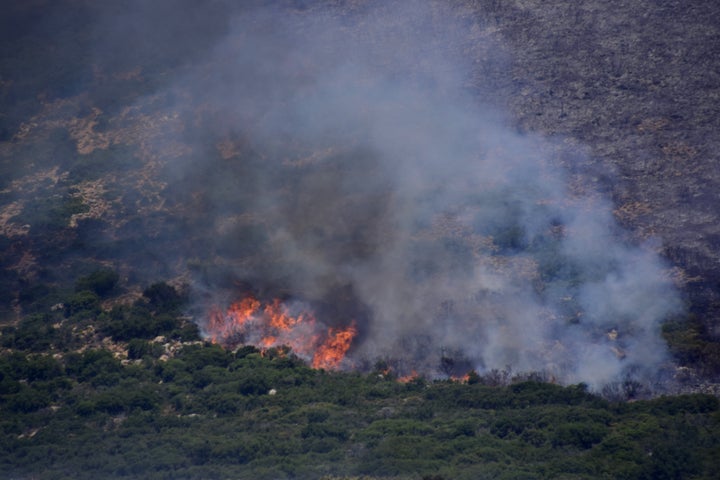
{"x": 482, "y": 229}
{"x": 207, "y": 413}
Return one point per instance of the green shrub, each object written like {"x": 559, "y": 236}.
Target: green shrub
{"x": 35, "y": 333}
{"x": 101, "y": 282}
{"x": 580, "y": 435}
{"x": 82, "y": 302}
{"x": 98, "y": 365}
{"x": 253, "y": 385}
{"x": 137, "y": 322}
{"x": 50, "y": 212}
{"x": 43, "y": 367}
{"x": 163, "y": 297}
{"x": 138, "y": 348}
{"x": 28, "y": 400}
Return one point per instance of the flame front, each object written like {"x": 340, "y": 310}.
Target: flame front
{"x": 331, "y": 352}
{"x": 274, "y": 324}
{"x": 222, "y": 327}
{"x": 408, "y": 378}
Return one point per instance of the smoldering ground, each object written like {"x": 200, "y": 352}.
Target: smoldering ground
{"x": 349, "y": 155}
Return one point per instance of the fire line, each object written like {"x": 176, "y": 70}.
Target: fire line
{"x": 275, "y": 324}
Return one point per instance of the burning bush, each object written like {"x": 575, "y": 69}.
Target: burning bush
{"x": 276, "y": 323}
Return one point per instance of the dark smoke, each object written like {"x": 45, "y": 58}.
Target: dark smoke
{"x": 356, "y": 150}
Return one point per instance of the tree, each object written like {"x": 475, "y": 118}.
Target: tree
{"x": 83, "y": 301}
{"x": 163, "y": 297}
{"x": 100, "y": 281}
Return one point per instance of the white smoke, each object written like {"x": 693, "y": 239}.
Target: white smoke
{"x": 375, "y": 167}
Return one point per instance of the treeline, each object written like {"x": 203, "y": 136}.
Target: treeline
{"x": 157, "y": 402}
{"x": 210, "y": 413}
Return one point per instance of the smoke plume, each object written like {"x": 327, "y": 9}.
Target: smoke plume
{"x": 354, "y": 158}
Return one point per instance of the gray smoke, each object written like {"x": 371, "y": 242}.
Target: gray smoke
{"x": 357, "y": 150}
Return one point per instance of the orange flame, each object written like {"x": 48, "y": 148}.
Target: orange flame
{"x": 331, "y": 352}
{"x": 464, "y": 379}
{"x": 276, "y": 324}
{"x": 222, "y": 326}
{"x": 408, "y": 378}
{"x": 279, "y": 318}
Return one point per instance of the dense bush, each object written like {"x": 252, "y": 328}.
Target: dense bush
{"x": 209, "y": 413}
{"x": 196, "y": 410}
{"x": 100, "y": 282}
{"x": 163, "y": 297}
{"x": 35, "y": 333}
{"x": 84, "y": 301}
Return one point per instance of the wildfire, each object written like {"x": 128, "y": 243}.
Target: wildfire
{"x": 414, "y": 376}
{"x": 331, "y": 352}
{"x": 464, "y": 379}
{"x": 222, "y": 326}
{"x": 408, "y": 378}
{"x": 275, "y": 324}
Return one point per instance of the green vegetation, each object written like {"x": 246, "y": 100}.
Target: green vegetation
{"x": 92, "y": 387}
{"x": 155, "y": 402}
{"x": 691, "y": 341}
{"x": 70, "y": 320}
{"x": 49, "y": 213}
{"x": 100, "y": 281}
{"x": 209, "y": 413}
